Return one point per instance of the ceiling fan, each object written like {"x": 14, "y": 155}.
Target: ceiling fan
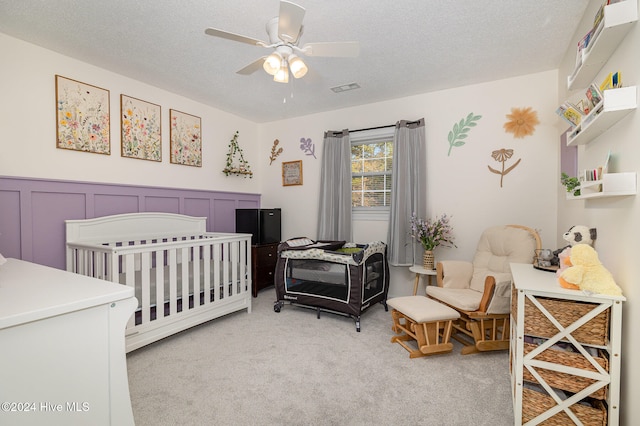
{"x": 284, "y": 33}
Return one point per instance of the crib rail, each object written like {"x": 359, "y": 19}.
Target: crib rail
{"x": 173, "y": 276}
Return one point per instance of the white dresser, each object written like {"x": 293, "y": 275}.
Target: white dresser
{"x": 548, "y": 382}
{"x": 62, "y": 347}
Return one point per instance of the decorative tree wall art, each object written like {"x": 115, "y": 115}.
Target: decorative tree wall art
{"x": 307, "y": 147}
{"x": 522, "y": 122}
{"x": 238, "y": 166}
{"x": 82, "y": 122}
{"x": 460, "y": 131}
{"x": 502, "y": 155}
{"x": 141, "y": 134}
{"x": 275, "y": 151}
{"x": 186, "y": 139}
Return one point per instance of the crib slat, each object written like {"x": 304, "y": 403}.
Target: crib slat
{"x": 145, "y": 283}
{"x": 197, "y": 276}
{"x": 216, "y": 272}
{"x": 160, "y": 296}
{"x": 184, "y": 281}
{"x": 129, "y": 280}
{"x": 243, "y": 266}
{"x": 225, "y": 270}
{"x": 173, "y": 273}
{"x": 206, "y": 275}
{"x": 235, "y": 285}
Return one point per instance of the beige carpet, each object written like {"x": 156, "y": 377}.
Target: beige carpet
{"x": 289, "y": 368}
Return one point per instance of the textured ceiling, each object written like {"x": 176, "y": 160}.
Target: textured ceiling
{"x": 406, "y": 46}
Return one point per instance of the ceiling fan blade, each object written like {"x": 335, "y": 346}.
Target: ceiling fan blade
{"x": 289, "y": 21}
{"x": 252, "y": 67}
{"x": 234, "y": 37}
{"x": 338, "y": 49}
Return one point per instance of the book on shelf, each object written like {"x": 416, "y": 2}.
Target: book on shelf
{"x": 591, "y": 175}
{"x": 582, "y": 46}
{"x": 611, "y": 81}
{"x": 594, "y": 97}
{"x": 570, "y": 113}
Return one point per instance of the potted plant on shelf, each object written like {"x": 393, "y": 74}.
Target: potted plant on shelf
{"x": 570, "y": 183}
{"x": 432, "y": 233}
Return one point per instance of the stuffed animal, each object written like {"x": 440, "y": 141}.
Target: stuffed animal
{"x": 588, "y": 274}
{"x": 564, "y": 262}
{"x": 578, "y": 234}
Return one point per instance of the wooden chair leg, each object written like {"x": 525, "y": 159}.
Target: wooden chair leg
{"x": 431, "y": 337}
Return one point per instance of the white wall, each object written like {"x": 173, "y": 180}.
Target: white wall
{"x": 616, "y": 219}
{"x": 28, "y": 124}
{"x": 460, "y": 184}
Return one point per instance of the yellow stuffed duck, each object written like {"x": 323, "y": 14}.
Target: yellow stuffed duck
{"x": 587, "y": 273}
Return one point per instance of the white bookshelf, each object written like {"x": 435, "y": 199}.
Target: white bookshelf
{"x": 616, "y": 23}
{"x": 611, "y": 185}
{"x": 616, "y": 104}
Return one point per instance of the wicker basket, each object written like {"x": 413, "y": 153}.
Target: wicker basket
{"x": 565, "y": 381}
{"x": 594, "y": 332}
{"x": 535, "y": 403}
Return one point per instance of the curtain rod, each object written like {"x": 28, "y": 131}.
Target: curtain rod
{"x": 381, "y": 127}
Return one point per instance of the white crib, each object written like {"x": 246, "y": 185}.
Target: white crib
{"x": 204, "y": 275}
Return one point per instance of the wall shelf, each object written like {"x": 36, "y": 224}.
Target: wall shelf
{"x": 611, "y": 185}
{"x": 615, "y": 105}
{"x": 616, "y": 23}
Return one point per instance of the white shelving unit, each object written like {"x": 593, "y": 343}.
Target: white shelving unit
{"x": 616, "y": 104}
{"x": 616, "y": 23}
{"x": 535, "y": 294}
{"x": 611, "y": 185}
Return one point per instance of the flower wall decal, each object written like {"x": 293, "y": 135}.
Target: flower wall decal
{"x": 308, "y": 147}
{"x": 522, "y": 122}
{"x": 502, "y": 155}
{"x": 275, "y": 151}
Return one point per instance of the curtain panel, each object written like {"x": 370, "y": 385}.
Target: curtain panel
{"x": 408, "y": 189}
{"x": 334, "y": 218}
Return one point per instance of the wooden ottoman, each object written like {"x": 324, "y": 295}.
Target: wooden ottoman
{"x": 424, "y": 320}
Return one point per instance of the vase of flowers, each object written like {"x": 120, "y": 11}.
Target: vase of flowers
{"x": 432, "y": 233}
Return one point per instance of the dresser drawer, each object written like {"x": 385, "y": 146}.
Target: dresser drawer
{"x": 265, "y": 255}
{"x": 264, "y": 275}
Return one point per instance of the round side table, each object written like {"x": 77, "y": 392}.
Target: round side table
{"x": 420, "y": 270}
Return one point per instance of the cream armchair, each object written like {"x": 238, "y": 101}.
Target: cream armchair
{"x": 481, "y": 290}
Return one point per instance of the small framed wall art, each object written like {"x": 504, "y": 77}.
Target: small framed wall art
{"x": 291, "y": 173}
{"x": 141, "y": 130}
{"x": 186, "y": 139}
{"x": 82, "y": 117}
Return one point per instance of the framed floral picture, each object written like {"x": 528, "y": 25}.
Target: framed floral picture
{"x": 141, "y": 130}
{"x": 186, "y": 139}
{"x": 291, "y": 173}
{"x": 82, "y": 117}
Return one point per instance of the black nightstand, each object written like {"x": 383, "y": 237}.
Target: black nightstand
{"x": 263, "y": 265}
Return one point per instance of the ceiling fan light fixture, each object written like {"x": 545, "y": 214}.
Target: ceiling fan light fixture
{"x": 282, "y": 76}
{"x": 272, "y": 63}
{"x": 297, "y": 66}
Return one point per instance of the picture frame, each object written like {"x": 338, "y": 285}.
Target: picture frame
{"x": 292, "y": 173}
{"x": 185, "y": 134}
{"x": 82, "y": 117}
{"x": 141, "y": 129}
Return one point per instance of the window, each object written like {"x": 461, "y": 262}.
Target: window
{"x": 371, "y": 162}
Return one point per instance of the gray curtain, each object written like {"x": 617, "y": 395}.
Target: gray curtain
{"x": 408, "y": 189}
{"x": 334, "y": 218}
